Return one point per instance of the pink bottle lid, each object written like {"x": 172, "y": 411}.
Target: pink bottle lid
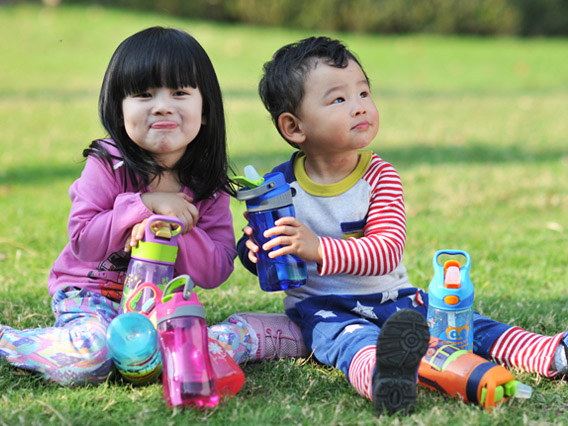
{"x": 179, "y": 300}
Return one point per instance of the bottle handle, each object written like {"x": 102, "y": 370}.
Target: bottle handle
{"x": 249, "y": 194}
{"x": 152, "y": 234}
{"x": 452, "y": 253}
{"x": 130, "y": 305}
{"x": 174, "y": 284}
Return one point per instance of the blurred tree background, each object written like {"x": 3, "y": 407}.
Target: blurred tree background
{"x": 475, "y": 17}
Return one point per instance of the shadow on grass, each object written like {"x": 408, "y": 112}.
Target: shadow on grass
{"x": 417, "y": 154}
{"x": 407, "y": 157}
{"x": 481, "y": 153}
{"x": 544, "y": 315}
{"x": 41, "y": 174}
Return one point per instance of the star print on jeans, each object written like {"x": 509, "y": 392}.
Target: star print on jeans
{"x": 325, "y": 314}
{"x": 389, "y": 296}
{"x": 364, "y": 311}
{"x": 351, "y": 328}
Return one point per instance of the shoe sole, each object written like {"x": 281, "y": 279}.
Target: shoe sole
{"x": 402, "y": 343}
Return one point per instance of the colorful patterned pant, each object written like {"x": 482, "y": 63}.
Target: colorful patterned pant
{"x": 74, "y": 350}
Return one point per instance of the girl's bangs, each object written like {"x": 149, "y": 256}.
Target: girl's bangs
{"x": 167, "y": 67}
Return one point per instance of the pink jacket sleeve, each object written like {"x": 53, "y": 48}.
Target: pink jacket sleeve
{"x": 102, "y": 214}
{"x": 206, "y": 253}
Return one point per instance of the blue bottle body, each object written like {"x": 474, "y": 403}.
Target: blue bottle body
{"x": 133, "y": 345}
{"x": 266, "y": 204}
{"x": 455, "y": 327}
{"x": 283, "y": 272}
{"x": 450, "y": 301}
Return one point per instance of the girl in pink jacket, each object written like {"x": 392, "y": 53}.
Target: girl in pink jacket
{"x": 165, "y": 154}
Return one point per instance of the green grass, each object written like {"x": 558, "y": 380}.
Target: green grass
{"x": 476, "y": 128}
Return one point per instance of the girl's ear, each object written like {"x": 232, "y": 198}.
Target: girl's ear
{"x": 290, "y": 128}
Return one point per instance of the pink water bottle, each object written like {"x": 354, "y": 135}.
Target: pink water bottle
{"x": 182, "y": 335}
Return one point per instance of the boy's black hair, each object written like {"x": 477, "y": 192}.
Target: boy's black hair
{"x": 282, "y": 85}
{"x": 165, "y": 57}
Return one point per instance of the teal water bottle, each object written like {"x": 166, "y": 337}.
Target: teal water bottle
{"x": 132, "y": 342}
{"x": 450, "y": 301}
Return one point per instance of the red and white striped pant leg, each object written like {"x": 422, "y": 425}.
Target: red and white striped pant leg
{"x": 361, "y": 370}
{"x": 528, "y": 351}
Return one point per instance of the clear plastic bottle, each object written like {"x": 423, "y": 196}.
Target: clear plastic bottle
{"x": 188, "y": 375}
{"x": 266, "y": 203}
{"x": 133, "y": 346}
{"x": 450, "y": 301}
{"x": 151, "y": 265}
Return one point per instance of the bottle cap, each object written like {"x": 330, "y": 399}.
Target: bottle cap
{"x": 159, "y": 244}
{"x": 251, "y": 179}
{"x": 176, "y": 303}
{"x": 518, "y": 389}
{"x": 451, "y": 288}
{"x": 273, "y": 193}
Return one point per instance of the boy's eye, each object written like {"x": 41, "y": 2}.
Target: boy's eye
{"x": 364, "y": 94}
{"x": 338, "y": 100}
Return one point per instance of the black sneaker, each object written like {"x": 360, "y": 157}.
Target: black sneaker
{"x": 402, "y": 343}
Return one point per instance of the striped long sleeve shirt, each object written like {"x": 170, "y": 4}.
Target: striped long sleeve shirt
{"x": 361, "y": 225}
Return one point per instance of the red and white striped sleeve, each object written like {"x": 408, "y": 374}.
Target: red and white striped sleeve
{"x": 380, "y": 249}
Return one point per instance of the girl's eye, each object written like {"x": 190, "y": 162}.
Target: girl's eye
{"x": 181, "y": 93}
{"x": 142, "y": 95}
{"x": 338, "y": 100}
{"x": 364, "y": 94}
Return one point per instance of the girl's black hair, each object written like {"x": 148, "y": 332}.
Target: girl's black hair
{"x": 165, "y": 57}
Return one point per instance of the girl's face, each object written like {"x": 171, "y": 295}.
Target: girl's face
{"x": 164, "y": 121}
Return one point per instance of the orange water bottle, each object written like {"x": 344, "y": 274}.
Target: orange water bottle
{"x": 459, "y": 373}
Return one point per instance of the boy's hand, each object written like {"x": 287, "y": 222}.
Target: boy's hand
{"x": 295, "y": 238}
{"x": 173, "y": 204}
{"x": 251, "y": 245}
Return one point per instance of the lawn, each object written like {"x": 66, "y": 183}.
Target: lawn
{"x": 476, "y": 128}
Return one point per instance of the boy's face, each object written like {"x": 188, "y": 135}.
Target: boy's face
{"x": 337, "y": 113}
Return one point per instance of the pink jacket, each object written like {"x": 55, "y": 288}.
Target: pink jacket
{"x": 101, "y": 219}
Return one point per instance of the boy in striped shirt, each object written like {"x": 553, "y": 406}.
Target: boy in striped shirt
{"x": 357, "y": 311}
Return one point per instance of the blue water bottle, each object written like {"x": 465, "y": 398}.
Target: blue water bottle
{"x": 269, "y": 199}
{"x": 450, "y": 296}
{"x": 133, "y": 345}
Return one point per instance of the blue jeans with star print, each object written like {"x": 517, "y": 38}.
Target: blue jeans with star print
{"x": 336, "y": 327}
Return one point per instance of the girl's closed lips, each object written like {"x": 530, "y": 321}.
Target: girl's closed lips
{"x": 164, "y": 125}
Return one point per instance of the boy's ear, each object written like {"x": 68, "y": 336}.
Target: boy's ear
{"x": 290, "y": 128}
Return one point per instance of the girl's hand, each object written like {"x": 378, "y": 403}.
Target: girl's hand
{"x": 136, "y": 235}
{"x": 294, "y": 238}
{"x": 177, "y": 204}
